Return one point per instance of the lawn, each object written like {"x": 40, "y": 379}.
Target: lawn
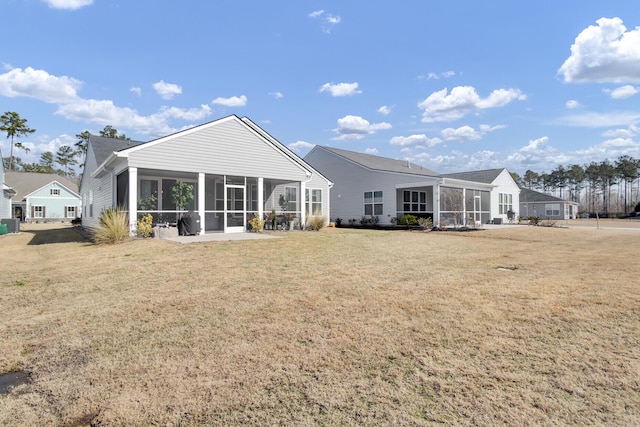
{"x": 515, "y": 326}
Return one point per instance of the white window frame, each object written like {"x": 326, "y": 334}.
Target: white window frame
{"x": 505, "y": 203}
{"x": 375, "y": 203}
{"x": 72, "y": 209}
{"x": 54, "y": 192}
{"x": 38, "y": 211}
{"x": 291, "y": 203}
{"x": 313, "y": 206}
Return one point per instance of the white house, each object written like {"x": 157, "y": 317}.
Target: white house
{"x": 373, "y": 186}
{"x": 43, "y": 197}
{"x": 236, "y": 170}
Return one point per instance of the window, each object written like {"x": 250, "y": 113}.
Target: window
{"x": 313, "y": 199}
{"x": 373, "y": 203}
{"x": 91, "y": 203}
{"x": 70, "y": 212}
{"x": 54, "y": 192}
{"x": 38, "y": 211}
{"x": 291, "y": 197}
{"x": 415, "y": 201}
{"x": 505, "y": 202}
{"x": 552, "y": 209}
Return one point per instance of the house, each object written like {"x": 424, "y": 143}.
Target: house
{"x": 7, "y": 194}
{"x": 546, "y": 206}
{"x": 43, "y": 197}
{"x": 235, "y": 170}
{"x": 373, "y": 186}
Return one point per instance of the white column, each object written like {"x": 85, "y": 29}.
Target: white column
{"x": 133, "y": 199}
{"x": 303, "y": 207}
{"x": 201, "y": 195}
{"x": 436, "y": 205}
{"x": 464, "y": 206}
{"x": 261, "y": 197}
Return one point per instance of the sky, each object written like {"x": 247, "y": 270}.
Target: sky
{"x": 451, "y": 85}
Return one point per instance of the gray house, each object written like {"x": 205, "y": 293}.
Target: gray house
{"x": 235, "y": 168}
{"x": 43, "y": 197}
{"x": 546, "y": 206}
{"x": 373, "y": 186}
{"x": 7, "y": 194}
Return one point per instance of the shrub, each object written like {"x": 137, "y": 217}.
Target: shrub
{"x": 338, "y": 222}
{"x": 316, "y": 222}
{"x": 144, "y": 226}
{"x": 425, "y": 222}
{"x": 113, "y": 228}
{"x": 533, "y": 220}
{"x": 408, "y": 220}
{"x": 256, "y": 223}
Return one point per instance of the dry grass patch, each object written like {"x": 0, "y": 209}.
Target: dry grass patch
{"x": 336, "y": 327}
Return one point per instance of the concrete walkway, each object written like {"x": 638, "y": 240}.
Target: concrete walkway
{"x": 222, "y": 237}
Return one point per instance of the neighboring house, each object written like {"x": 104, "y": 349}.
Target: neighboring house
{"x": 43, "y": 197}
{"x": 546, "y": 206}
{"x": 7, "y": 194}
{"x": 372, "y": 186}
{"x": 236, "y": 169}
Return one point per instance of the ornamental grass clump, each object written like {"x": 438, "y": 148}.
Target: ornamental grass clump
{"x": 113, "y": 228}
{"x": 316, "y": 222}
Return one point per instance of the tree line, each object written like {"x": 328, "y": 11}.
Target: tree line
{"x": 603, "y": 187}
{"x": 16, "y": 127}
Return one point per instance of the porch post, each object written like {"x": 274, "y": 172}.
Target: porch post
{"x": 260, "y": 197}
{"x": 436, "y": 204}
{"x": 201, "y": 194}
{"x": 464, "y": 206}
{"x": 303, "y": 203}
{"x": 133, "y": 199}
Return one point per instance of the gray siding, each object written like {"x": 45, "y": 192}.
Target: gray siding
{"x": 101, "y": 188}
{"x": 224, "y": 148}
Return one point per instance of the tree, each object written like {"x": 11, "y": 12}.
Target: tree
{"x": 111, "y": 132}
{"x": 15, "y": 127}
{"x": 627, "y": 170}
{"x": 83, "y": 141}
{"x": 576, "y": 177}
{"x": 46, "y": 162}
{"x": 558, "y": 178}
{"x": 530, "y": 179}
{"x": 65, "y": 156}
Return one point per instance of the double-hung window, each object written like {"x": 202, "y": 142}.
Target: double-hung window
{"x": 313, "y": 199}
{"x": 38, "y": 211}
{"x": 373, "y": 203}
{"x": 505, "y": 202}
{"x": 291, "y": 197}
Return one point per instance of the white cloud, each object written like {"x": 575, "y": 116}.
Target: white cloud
{"x": 341, "y": 89}
{"x": 594, "y": 120}
{"x": 355, "y": 127}
{"x": 611, "y": 148}
{"x": 300, "y": 146}
{"x": 623, "y": 92}
{"x": 234, "y": 101}
{"x": 605, "y": 52}
{"x": 373, "y": 151}
{"x": 277, "y": 95}
{"x": 39, "y": 84}
{"x": 167, "y": 90}
{"x": 328, "y": 21}
{"x": 418, "y": 140}
{"x": 68, "y": 4}
{"x": 538, "y": 155}
{"x": 463, "y": 133}
{"x": 572, "y": 104}
{"x": 444, "y": 106}
{"x": 630, "y": 132}
{"x": 384, "y": 110}
{"x": 136, "y": 90}
{"x": 436, "y": 76}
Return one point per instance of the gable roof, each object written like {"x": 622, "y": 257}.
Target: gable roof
{"x": 25, "y": 183}
{"x": 485, "y": 176}
{"x": 103, "y": 147}
{"x": 379, "y": 163}
{"x": 531, "y": 196}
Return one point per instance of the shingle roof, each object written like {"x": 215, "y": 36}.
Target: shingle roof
{"x": 103, "y": 147}
{"x": 530, "y": 196}
{"x": 485, "y": 176}
{"x": 25, "y": 183}
{"x": 379, "y": 163}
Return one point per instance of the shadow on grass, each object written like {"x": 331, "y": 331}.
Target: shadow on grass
{"x": 55, "y": 235}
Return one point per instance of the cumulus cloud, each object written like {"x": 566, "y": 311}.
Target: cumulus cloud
{"x": 39, "y": 84}
{"x": 300, "y": 146}
{"x": 68, "y": 4}
{"x": 384, "y": 110}
{"x": 442, "y": 106}
{"x": 623, "y": 92}
{"x": 62, "y": 91}
{"x": 327, "y": 20}
{"x": 277, "y": 95}
{"x": 373, "y": 151}
{"x": 341, "y": 89}
{"x": 167, "y": 90}
{"x": 538, "y": 154}
{"x": 136, "y": 90}
{"x": 355, "y": 127}
{"x": 611, "y": 148}
{"x": 415, "y": 140}
{"x": 572, "y": 104}
{"x": 605, "y": 52}
{"x": 463, "y": 133}
{"x": 234, "y": 101}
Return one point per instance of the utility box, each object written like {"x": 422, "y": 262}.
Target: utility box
{"x": 13, "y": 224}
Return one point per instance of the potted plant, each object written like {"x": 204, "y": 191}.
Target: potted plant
{"x": 182, "y": 194}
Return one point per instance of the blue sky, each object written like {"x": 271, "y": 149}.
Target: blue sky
{"x": 452, "y": 85}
